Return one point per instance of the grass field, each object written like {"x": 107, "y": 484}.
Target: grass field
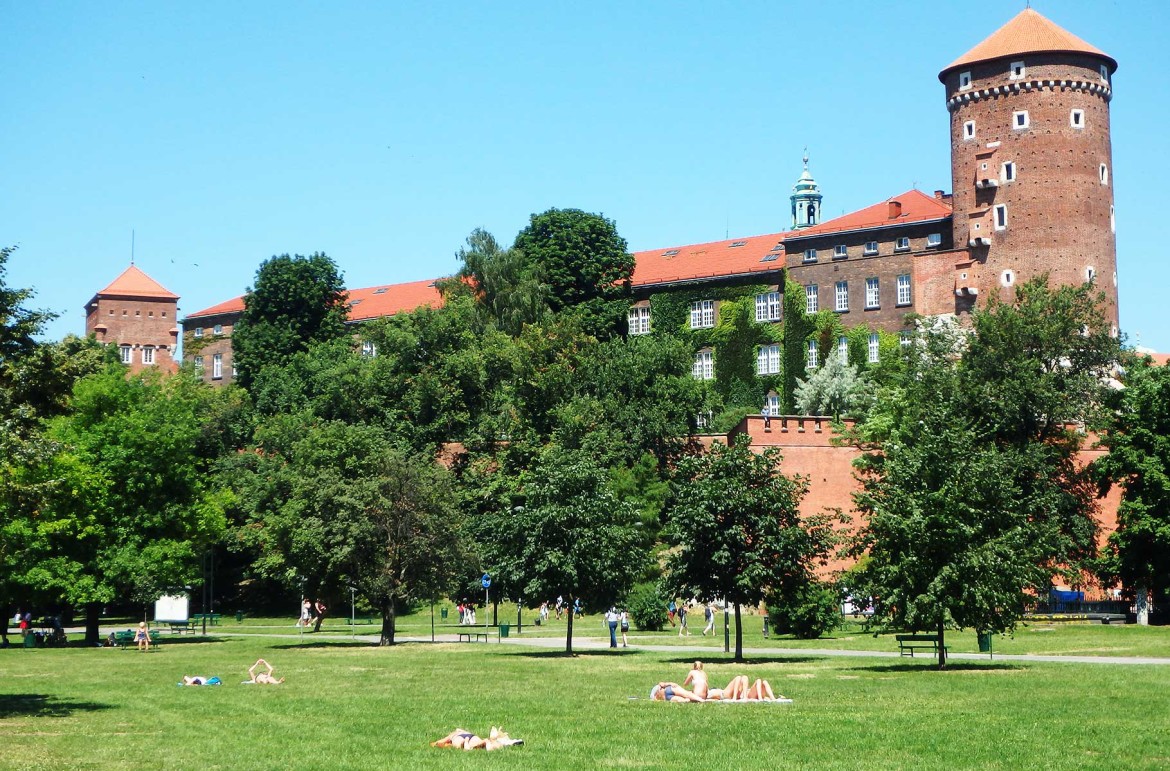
{"x": 349, "y": 705}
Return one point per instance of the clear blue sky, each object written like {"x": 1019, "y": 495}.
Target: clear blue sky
{"x": 382, "y": 133}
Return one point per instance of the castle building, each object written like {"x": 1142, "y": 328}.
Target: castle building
{"x": 1032, "y": 195}
{"x": 138, "y": 315}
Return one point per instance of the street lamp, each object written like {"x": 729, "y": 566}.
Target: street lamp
{"x": 352, "y": 616}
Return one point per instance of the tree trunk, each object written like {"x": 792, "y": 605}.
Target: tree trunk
{"x": 387, "y": 623}
{"x": 6, "y": 611}
{"x": 93, "y": 612}
{"x": 942, "y": 649}
{"x": 569, "y": 630}
{"x": 1141, "y": 604}
{"x": 738, "y": 634}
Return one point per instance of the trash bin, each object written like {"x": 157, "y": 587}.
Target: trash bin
{"x": 239, "y": 616}
{"x": 30, "y": 640}
{"x": 443, "y": 614}
{"x": 537, "y": 622}
{"x": 985, "y": 642}
{"x": 504, "y": 630}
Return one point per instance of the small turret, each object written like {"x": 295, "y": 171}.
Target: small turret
{"x": 806, "y": 199}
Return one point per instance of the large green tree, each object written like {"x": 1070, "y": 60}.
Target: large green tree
{"x": 972, "y": 495}
{"x": 296, "y": 301}
{"x": 1138, "y": 437}
{"x": 333, "y": 504}
{"x": 510, "y": 289}
{"x": 735, "y": 520}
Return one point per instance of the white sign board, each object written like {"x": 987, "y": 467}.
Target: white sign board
{"x": 171, "y": 608}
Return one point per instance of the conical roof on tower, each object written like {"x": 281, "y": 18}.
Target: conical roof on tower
{"x": 1027, "y": 33}
{"x": 134, "y": 283}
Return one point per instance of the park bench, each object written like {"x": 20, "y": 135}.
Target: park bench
{"x": 908, "y": 643}
{"x": 212, "y": 618}
{"x": 179, "y": 627}
{"x": 125, "y": 639}
{"x": 473, "y": 636}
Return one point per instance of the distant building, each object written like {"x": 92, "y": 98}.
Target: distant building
{"x": 139, "y": 316}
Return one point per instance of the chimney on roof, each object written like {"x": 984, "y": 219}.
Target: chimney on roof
{"x": 895, "y": 209}
{"x": 938, "y": 195}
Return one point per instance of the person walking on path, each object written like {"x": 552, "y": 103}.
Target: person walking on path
{"x": 682, "y": 621}
{"x": 709, "y": 615}
{"x": 625, "y": 623}
{"x": 611, "y": 618}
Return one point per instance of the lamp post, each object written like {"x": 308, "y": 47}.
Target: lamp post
{"x": 300, "y": 615}
{"x": 352, "y": 616}
{"x": 726, "y": 630}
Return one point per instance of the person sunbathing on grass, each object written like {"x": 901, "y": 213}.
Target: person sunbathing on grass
{"x": 462, "y": 739}
{"x": 262, "y": 678}
{"x": 199, "y": 680}
{"x": 699, "y": 678}
{"x": 672, "y": 692}
{"x": 739, "y": 690}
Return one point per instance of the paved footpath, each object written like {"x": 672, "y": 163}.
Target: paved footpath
{"x": 597, "y": 643}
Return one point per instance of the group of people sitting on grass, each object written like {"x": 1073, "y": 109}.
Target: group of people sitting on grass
{"x": 254, "y": 677}
{"x": 462, "y": 739}
{"x": 739, "y": 689}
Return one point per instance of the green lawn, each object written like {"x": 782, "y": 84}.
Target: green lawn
{"x": 354, "y": 706}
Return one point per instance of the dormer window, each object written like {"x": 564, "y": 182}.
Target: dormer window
{"x": 1104, "y": 73}
{"x": 969, "y": 130}
{"x": 1020, "y": 120}
{"x": 1016, "y": 71}
{"x": 840, "y": 252}
{"x": 1076, "y": 119}
{"x": 965, "y": 80}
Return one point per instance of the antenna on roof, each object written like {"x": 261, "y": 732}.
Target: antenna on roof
{"x": 131, "y": 246}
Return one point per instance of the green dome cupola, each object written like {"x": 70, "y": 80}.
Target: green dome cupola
{"x": 806, "y": 199}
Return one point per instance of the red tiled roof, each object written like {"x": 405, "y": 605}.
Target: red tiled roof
{"x": 916, "y": 206}
{"x": 1027, "y": 33}
{"x": 1160, "y": 359}
{"x": 737, "y": 256}
{"x": 234, "y": 305}
{"x": 377, "y": 301}
{"x": 134, "y": 283}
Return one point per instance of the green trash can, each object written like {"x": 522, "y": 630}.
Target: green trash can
{"x": 239, "y": 616}
{"x": 30, "y": 640}
{"x": 504, "y": 629}
{"x": 985, "y": 642}
{"x": 443, "y": 614}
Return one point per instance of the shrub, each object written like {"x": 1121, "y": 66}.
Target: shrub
{"x": 809, "y": 613}
{"x": 647, "y": 608}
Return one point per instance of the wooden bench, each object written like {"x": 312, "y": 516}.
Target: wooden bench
{"x": 179, "y": 627}
{"x": 473, "y": 636}
{"x": 125, "y": 639}
{"x": 212, "y": 618}
{"x": 908, "y": 643}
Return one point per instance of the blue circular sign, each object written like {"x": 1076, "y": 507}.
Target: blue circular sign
{"x": 486, "y": 580}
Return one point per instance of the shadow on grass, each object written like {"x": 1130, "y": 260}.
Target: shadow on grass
{"x": 334, "y": 644}
{"x": 580, "y": 653}
{"x": 932, "y": 666}
{"x": 728, "y": 658}
{"x": 43, "y": 705}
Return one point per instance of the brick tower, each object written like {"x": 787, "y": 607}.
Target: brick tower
{"x": 1031, "y": 159}
{"x": 139, "y": 316}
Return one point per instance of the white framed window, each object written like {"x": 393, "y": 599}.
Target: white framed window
{"x": 1007, "y": 172}
{"x": 969, "y": 130}
{"x": 1001, "y": 216}
{"x": 811, "y": 305}
{"x": 1103, "y": 173}
{"x": 1114, "y": 278}
{"x": 639, "y": 320}
{"x": 964, "y": 80}
{"x": 704, "y": 419}
{"x": 1020, "y": 120}
{"x": 1112, "y": 220}
{"x": 126, "y": 353}
{"x": 840, "y": 252}
{"x": 199, "y": 365}
{"x": 217, "y": 366}
{"x": 1105, "y": 73}
{"x": 933, "y": 239}
{"x": 904, "y": 338}
{"x": 810, "y": 255}
{"x": 1007, "y": 278}
{"x": 198, "y": 331}
{"x": 703, "y": 314}
{"x": 768, "y": 360}
{"x": 843, "y": 348}
{"x": 1076, "y": 119}
{"x": 217, "y": 329}
{"x": 810, "y": 359}
{"x": 1017, "y": 71}
{"x": 772, "y": 404}
{"x": 369, "y": 349}
{"x": 874, "y": 350}
{"x": 1090, "y": 274}
{"x": 841, "y": 296}
{"x": 904, "y": 296}
{"x": 902, "y": 244}
{"x": 235, "y": 372}
{"x": 871, "y": 247}
{"x": 1113, "y": 331}
{"x": 148, "y": 356}
{"x": 873, "y": 294}
{"x": 704, "y": 366}
{"x": 768, "y": 307}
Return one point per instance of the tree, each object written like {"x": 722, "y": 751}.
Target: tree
{"x": 569, "y": 537}
{"x": 740, "y": 535}
{"x": 972, "y": 494}
{"x": 123, "y": 506}
{"x": 333, "y": 505}
{"x": 1138, "y": 438}
{"x": 837, "y": 388}
{"x": 585, "y": 263}
{"x": 509, "y": 288}
{"x": 296, "y": 301}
